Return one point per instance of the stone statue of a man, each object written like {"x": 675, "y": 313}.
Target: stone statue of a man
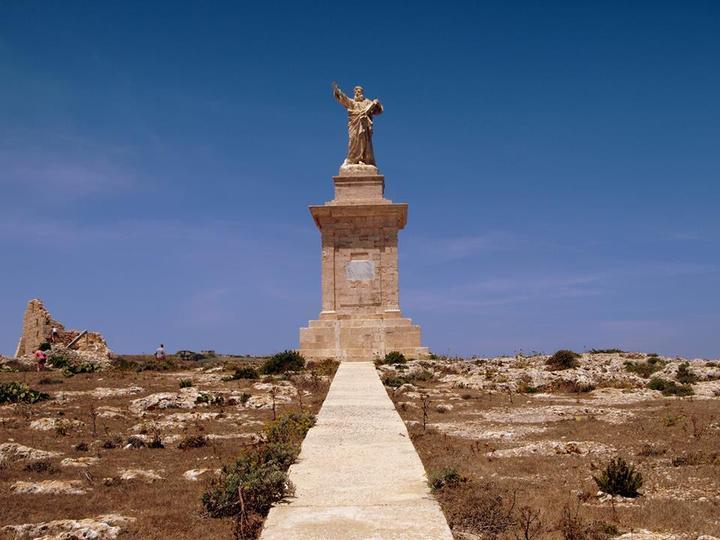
{"x": 360, "y": 125}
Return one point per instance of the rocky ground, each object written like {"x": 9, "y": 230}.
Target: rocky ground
{"x": 127, "y": 451}
{"x": 526, "y": 440}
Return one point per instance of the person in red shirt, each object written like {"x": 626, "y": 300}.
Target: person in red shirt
{"x": 41, "y": 358}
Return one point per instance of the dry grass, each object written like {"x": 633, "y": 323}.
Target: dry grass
{"x": 93, "y": 429}
{"x": 674, "y": 443}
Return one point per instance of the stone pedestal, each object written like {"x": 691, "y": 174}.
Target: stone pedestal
{"x": 360, "y": 317}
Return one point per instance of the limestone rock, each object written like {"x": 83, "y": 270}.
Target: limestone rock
{"x": 184, "y": 399}
{"x": 49, "y": 487}
{"x": 16, "y": 452}
{"x": 106, "y": 527}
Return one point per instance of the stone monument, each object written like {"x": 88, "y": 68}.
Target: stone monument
{"x": 360, "y": 317}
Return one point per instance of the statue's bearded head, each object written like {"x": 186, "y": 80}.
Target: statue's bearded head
{"x": 359, "y": 93}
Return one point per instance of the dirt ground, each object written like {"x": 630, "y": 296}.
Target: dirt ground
{"x": 75, "y": 448}
{"x": 509, "y": 430}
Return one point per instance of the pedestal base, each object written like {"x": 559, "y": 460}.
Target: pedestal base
{"x": 360, "y": 339}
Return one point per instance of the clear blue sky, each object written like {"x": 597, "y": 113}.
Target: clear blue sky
{"x": 561, "y": 161}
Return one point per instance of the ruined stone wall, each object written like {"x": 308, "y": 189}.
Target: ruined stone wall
{"x": 37, "y": 329}
{"x": 37, "y": 326}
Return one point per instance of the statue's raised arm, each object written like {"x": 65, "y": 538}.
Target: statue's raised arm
{"x": 360, "y": 125}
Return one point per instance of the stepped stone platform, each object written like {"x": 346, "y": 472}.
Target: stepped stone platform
{"x": 358, "y": 475}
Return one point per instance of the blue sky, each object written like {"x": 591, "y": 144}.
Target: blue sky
{"x": 561, "y": 161}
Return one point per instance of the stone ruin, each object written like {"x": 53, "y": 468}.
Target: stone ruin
{"x": 37, "y": 329}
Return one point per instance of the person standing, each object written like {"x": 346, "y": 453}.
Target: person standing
{"x": 54, "y": 334}
{"x": 160, "y": 352}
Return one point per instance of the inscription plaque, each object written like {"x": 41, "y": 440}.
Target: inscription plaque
{"x": 360, "y": 270}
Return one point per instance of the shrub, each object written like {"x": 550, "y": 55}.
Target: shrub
{"x": 82, "y": 446}
{"x": 290, "y": 428}
{"x": 244, "y": 397}
{"x": 619, "y": 478}
{"x": 443, "y": 477}
{"x": 243, "y": 372}
{"x": 670, "y": 388}
{"x": 210, "y": 399}
{"x": 134, "y": 441}
{"x": 563, "y": 359}
{"x": 282, "y": 362}
{"x": 58, "y": 359}
{"x": 573, "y": 527}
{"x": 16, "y": 392}
{"x": 606, "y": 351}
{"x": 684, "y": 375}
{"x": 421, "y": 375}
{"x": 114, "y": 442}
{"x": 394, "y": 382}
{"x": 193, "y": 441}
{"x": 41, "y": 467}
{"x": 392, "y": 358}
{"x": 45, "y": 346}
{"x": 86, "y": 367}
{"x": 186, "y": 383}
{"x": 643, "y": 369}
{"x": 478, "y": 508}
{"x": 258, "y": 478}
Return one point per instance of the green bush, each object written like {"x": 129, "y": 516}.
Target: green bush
{"x": 443, "y": 477}
{"x": 58, "y": 359}
{"x": 244, "y": 372}
{"x": 45, "y": 346}
{"x": 186, "y": 383}
{"x": 392, "y": 358}
{"x": 422, "y": 375}
{"x": 606, "y": 351}
{"x": 670, "y": 388}
{"x": 619, "y": 478}
{"x": 259, "y": 475}
{"x": 86, "y": 367}
{"x": 563, "y": 359}
{"x": 16, "y": 392}
{"x": 643, "y": 369}
{"x": 394, "y": 382}
{"x": 684, "y": 375}
{"x": 282, "y": 362}
{"x": 290, "y": 428}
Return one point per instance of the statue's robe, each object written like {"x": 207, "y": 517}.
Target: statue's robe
{"x": 360, "y": 127}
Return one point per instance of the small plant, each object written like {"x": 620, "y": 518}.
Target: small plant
{"x": 392, "y": 358}
{"x": 444, "y": 477}
{"x": 58, "y": 359}
{"x": 670, "y": 388}
{"x": 421, "y": 375}
{"x": 193, "y": 441}
{"x": 606, "y": 351}
{"x": 619, "y": 478}
{"x": 563, "y": 359}
{"x": 244, "y": 397}
{"x": 245, "y": 372}
{"x": 283, "y": 362}
{"x": 114, "y": 442}
{"x": 135, "y": 442}
{"x": 86, "y": 367}
{"x": 81, "y": 447}
{"x": 41, "y": 467}
{"x": 684, "y": 375}
{"x": 16, "y": 392}
{"x": 47, "y": 380}
{"x": 45, "y": 346}
{"x": 393, "y": 381}
{"x": 209, "y": 399}
{"x": 186, "y": 383}
{"x": 643, "y": 369}
{"x": 258, "y": 479}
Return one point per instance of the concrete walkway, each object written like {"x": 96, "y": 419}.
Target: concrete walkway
{"x": 358, "y": 475}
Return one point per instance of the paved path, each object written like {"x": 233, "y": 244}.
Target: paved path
{"x": 358, "y": 475}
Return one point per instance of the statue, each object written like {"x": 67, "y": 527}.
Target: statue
{"x": 360, "y": 125}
